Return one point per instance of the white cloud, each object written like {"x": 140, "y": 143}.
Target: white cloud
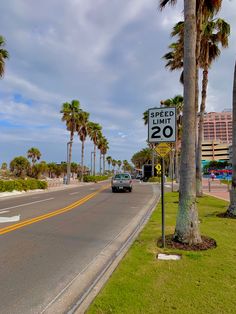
{"x": 108, "y": 55}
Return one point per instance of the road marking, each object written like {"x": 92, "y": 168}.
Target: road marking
{"x": 9, "y": 219}
{"x": 52, "y": 214}
{"x": 26, "y": 204}
{"x": 4, "y": 211}
{"x": 74, "y": 193}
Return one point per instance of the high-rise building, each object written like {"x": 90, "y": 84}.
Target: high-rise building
{"x": 217, "y": 126}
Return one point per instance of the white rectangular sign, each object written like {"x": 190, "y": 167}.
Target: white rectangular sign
{"x": 162, "y": 125}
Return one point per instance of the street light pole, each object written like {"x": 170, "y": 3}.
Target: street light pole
{"x": 68, "y": 163}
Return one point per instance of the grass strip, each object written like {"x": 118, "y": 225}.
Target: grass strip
{"x": 201, "y": 282}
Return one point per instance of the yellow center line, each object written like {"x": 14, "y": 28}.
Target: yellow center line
{"x": 49, "y": 215}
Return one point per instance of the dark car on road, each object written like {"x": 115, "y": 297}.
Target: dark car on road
{"x": 121, "y": 182}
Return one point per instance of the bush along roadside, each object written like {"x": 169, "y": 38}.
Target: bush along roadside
{"x": 22, "y": 185}
{"x": 95, "y": 178}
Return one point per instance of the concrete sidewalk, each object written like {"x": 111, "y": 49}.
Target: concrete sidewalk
{"x": 215, "y": 188}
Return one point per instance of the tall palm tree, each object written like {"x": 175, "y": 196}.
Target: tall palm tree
{"x": 231, "y": 212}
{"x": 109, "y": 160}
{"x": 142, "y": 157}
{"x": 214, "y": 32}
{"x": 94, "y": 132}
{"x": 178, "y": 103}
{"x": 104, "y": 148}
{"x": 125, "y": 165}
{"x": 151, "y": 145}
{"x": 3, "y": 56}
{"x": 187, "y": 229}
{"x": 100, "y": 145}
{"x": 119, "y": 163}
{"x": 34, "y": 154}
{"x": 114, "y": 163}
{"x": 70, "y": 112}
{"x": 82, "y": 129}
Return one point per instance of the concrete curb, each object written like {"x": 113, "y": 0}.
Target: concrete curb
{"x": 80, "y": 292}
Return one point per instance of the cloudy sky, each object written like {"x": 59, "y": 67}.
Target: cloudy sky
{"x": 105, "y": 53}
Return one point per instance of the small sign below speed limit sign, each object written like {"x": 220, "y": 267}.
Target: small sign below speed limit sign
{"x": 161, "y": 125}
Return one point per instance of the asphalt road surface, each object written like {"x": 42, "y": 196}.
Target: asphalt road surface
{"x": 46, "y": 239}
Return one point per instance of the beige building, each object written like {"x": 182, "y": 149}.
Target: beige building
{"x": 215, "y": 150}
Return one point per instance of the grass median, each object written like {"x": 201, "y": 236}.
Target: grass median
{"x": 201, "y": 282}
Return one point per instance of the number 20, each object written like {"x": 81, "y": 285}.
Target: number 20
{"x": 167, "y": 131}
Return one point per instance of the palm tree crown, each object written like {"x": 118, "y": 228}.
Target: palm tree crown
{"x": 34, "y": 154}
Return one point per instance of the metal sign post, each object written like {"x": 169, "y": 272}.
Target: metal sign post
{"x": 162, "y": 202}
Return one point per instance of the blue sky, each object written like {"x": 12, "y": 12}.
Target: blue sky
{"x": 108, "y": 55}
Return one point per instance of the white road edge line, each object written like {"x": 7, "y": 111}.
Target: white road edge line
{"x": 26, "y": 204}
{"x": 4, "y": 211}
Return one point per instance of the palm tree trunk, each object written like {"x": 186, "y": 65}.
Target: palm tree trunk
{"x": 69, "y": 159}
{"x": 176, "y": 161}
{"x": 94, "y": 161}
{"x": 82, "y": 162}
{"x": 232, "y": 206}
{"x": 100, "y": 163}
{"x": 104, "y": 163}
{"x": 187, "y": 230}
{"x": 200, "y": 132}
{"x": 198, "y": 136}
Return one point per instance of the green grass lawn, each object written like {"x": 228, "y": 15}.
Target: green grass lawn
{"x": 201, "y": 282}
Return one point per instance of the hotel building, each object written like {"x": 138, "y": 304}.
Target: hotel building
{"x": 218, "y": 126}
{"x": 217, "y": 135}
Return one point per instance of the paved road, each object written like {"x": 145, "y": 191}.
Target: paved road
{"x": 57, "y": 235}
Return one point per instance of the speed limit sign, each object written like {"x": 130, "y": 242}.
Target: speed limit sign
{"x": 161, "y": 125}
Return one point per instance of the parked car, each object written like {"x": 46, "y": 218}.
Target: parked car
{"x": 121, "y": 182}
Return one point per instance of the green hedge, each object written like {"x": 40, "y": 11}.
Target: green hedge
{"x": 95, "y": 178}
{"x": 22, "y": 185}
{"x": 154, "y": 179}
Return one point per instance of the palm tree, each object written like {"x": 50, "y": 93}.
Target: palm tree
{"x": 51, "y": 169}
{"x": 151, "y": 145}
{"x": 142, "y": 157}
{"x": 231, "y": 212}
{"x": 103, "y": 149}
{"x": 119, "y": 163}
{"x": 82, "y": 129}
{"x": 3, "y": 55}
{"x": 20, "y": 166}
{"x": 125, "y": 165}
{"x": 178, "y": 103}
{"x": 109, "y": 160}
{"x": 114, "y": 163}
{"x": 214, "y": 32}
{"x": 34, "y": 154}
{"x": 70, "y": 112}
{"x": 187, "y": 229}
{"x": 100, "y": 145}
{"x": 94, "y": 131}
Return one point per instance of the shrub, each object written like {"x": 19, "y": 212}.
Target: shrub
{"x": 22, "y": 185}
{"x": 154, "y": 179}
{"x": 95, "y": 178}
